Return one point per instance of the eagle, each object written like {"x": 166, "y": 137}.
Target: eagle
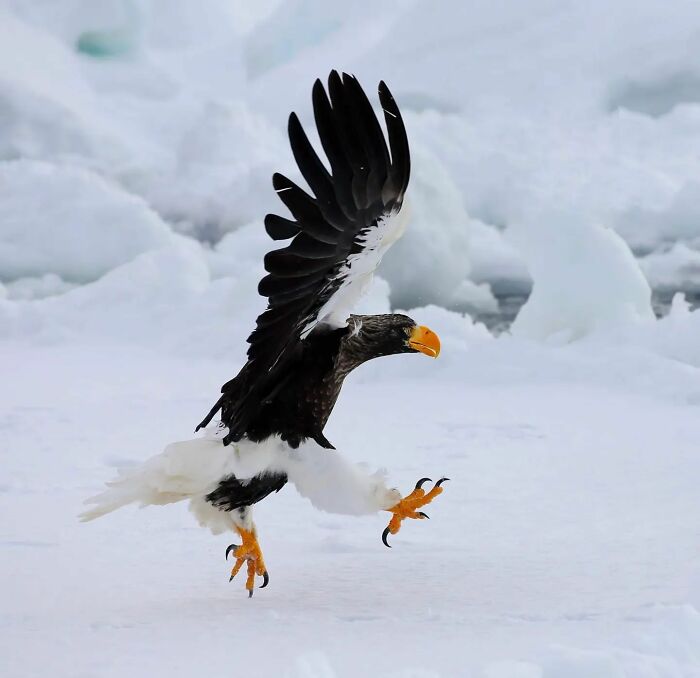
{"x": 272, "y": 414}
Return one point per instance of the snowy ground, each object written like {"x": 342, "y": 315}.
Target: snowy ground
{"x": 565, "y": 545}
{"x": 553, "y": 142}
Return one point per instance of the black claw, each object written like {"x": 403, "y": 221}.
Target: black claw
{"x": 421, "y": 482}
{"x": 250, "y": 593}
{"x": 266, "y": 580}
{"x": 423, "y": 515}
{"x": 441, "y": 481}
{"x": 229, "y": 548}
{"x": 385, "y": 534}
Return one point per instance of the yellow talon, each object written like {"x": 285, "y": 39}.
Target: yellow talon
{"x": 406, "y": 508}
{"x": 249, "y": 552}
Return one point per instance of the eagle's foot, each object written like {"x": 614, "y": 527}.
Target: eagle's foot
{"x": 407, "y": 507}
{"x": 248, "y": 552}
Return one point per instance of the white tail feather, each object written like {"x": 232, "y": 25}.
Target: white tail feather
{"x": 130, "y": 489}
{"x": 184, "y": 470}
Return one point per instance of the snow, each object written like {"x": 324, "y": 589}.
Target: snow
{"x": 561, "y": 254}
{"x": 554, "y": 149}
{"x": 564, "y": 541}
{"x": 410, "y": 264}
{"x": 78, "y": 226}
{"x": 222, "y": 162}
{"x": 675, "y": 268}
{"x": 510, "y": 107}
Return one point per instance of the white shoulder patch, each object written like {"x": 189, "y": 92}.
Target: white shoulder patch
{"x": 356, "y": 273}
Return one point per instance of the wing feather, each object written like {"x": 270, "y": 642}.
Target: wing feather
{"x": 285, "y": 264}
{"x": 279, "y": 228}
{"x": 398, "y": 142}
{"x": 338, "y": 233}
{"x": 333, "y": 148}
{"x": 316, "y": 175}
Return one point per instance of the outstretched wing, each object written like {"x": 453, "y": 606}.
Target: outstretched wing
{"x": 339, "y": 233}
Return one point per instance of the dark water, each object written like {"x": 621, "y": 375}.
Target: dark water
{"x": 510, "y": 304}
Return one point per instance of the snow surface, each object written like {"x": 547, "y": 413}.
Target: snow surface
{"x": 566, "y": 543}
{"x": 554, "y": 146}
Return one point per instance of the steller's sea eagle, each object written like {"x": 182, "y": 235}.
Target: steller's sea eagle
{"x": 272, "y": 414}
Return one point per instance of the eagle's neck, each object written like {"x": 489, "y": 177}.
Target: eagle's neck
{"x": 352, "y": 353}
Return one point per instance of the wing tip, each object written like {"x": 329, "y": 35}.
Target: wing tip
{"x": 334, "y": 79}
{"x": 294, "y": 129}
{"x": 279, "y": 181}
{"x": 317, "y": 88}
{"x": 279, "y": 228}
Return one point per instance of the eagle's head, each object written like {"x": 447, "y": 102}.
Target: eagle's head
{"x": 391, "y": 333}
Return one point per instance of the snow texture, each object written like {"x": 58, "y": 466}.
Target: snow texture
{"x": 560, "y": 256}
{"x": 78, "y": 226}
{"x": 511, "y": 109}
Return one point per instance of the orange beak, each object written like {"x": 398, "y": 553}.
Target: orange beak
{"x": 425, "y": 340}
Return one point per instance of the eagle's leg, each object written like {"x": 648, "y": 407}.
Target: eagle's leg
{"x": 249, "y": 551}
{"x": 407, "y": 507}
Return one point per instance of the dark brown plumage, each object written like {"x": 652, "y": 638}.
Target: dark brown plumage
{"x": 300, "y": 408}
{"x": 299, "y": 404}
